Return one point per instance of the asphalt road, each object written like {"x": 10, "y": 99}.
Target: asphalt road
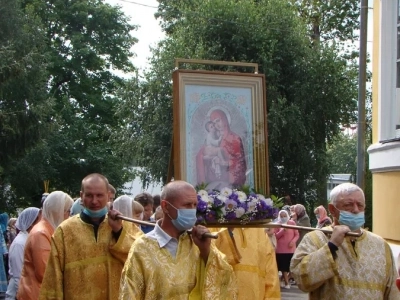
{"x": 293, "y": 294}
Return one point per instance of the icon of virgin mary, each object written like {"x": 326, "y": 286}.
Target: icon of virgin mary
{"x": 223, "y": 165}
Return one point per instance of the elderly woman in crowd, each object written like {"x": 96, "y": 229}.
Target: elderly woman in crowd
{"x": 322, "y": 217}
{"x": 25, "y": 222}
{"x": 129, "y": 208}
{"x": 11, "y": 231}
{"x": 3, "y": 253}
{"x": 56, "y": 208}
{"x": 301, "y": 218}
{"x": 285, "y": 246}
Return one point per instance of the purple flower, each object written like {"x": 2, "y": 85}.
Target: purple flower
{"x": 200, "y": 219}
{"x": 230, "y": 204}
{"x": 201, "y": 206}
{"x": 230, "y": 215}
{"x": 217, "y": 202}
{"x": 210, "y": 215}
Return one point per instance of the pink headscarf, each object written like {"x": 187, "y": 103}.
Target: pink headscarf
{"x": 322, "y": 214}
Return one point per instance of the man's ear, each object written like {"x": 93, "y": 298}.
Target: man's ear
{"x": 164, "y": 204}
{"x": 332, "y": 209}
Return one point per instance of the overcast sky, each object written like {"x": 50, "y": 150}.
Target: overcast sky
{"x": 149, "y": 32}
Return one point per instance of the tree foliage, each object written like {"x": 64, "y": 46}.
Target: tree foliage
{"x": 24, "y": 101}
{"x": 85, "y": 41}
{"x": 342, "y": 155}
{"x": 309, "y": 93}
{"x": 332, "y": 20}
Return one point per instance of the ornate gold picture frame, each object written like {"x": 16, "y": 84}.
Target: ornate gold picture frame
{"x": 220, "y": 129}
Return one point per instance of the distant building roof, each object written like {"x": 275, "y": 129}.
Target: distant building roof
{"x": 340, "y": 177}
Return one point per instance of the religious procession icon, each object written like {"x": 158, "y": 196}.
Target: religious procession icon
{"x": 219, "y": 125}
{"x": 220, "y": 139}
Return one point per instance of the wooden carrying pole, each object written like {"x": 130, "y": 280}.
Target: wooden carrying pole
{"x": 248, "y": 225}
{"x": 206, "y": 235}
{"x": 326, "y": 231}
{"x": 277, "y": 225}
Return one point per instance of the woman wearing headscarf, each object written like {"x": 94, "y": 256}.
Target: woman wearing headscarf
{"x": 25, "y": 222}
{"x": 3, "y": 253}
{"x": 56, "y": 208}
{"x": 11, "y": 231}
{"x": 322, "y": 217}
{"x": 301, "y": 218}
{"x": 124, "y": 205}
{"x": 285, "y": 246}
{"x": 128, "y": 207}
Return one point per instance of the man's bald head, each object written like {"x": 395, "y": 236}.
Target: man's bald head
{"x": 93, "y": 178}
{"x": 173, "y": 190}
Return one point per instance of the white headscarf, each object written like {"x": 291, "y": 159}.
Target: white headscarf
{"x": 279, "y": 216}
{"x": 54, "y": 207}
{"x": 77, "y": 207}
{"x": 26, "y": 218}
{"x": 124, "y": 205}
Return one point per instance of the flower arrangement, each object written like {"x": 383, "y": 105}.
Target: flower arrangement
{"x": 231, "y": 205}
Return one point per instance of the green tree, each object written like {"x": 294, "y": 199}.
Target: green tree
{"x": 309, "y": 93}
{"x": 333, "y": 20}
{"x": 87, "y": 40}
{"x": 24, "y": 102}
{"x": 342, "y": 155}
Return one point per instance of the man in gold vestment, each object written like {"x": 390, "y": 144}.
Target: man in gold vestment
{"x": 168, "y": 263}
{"x": 88, "y": 251}
{"x": 343, "y": 267}
{"x": 252, "y": 257}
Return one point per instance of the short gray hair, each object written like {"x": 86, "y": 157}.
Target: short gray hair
{"x": 344, "y": 188}
{"x": 172, "y": 190}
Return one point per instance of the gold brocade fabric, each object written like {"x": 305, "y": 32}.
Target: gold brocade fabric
{"x": 81, "y": 267}
{"x": 365, "y": 271}
{"x": 151, "y": 272}
{"x": 253, "y": 259}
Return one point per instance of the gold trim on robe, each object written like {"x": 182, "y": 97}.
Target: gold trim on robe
{"x": 81, "y": 267}
{"x": 362, "y": 270}
{"x": 252, "y": 256}
{"x": 150, "y": 272}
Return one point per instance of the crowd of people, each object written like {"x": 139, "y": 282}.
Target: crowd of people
{"x": 82, "y": 250}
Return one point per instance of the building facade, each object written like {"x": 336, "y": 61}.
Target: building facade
{"x": 384, "y": 153}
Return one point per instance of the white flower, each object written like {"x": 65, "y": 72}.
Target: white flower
{"x": 202, "y": 193}
{"x": 261, "y": 197}
{"x": 207, "y": 199}
{"x": 239, "y": 212}
{"x": 252, "y": 205}
{"x": 223, "y": 210}
{"x": 241, "y": 196}
{"x": 269, "y": 201}
{"x": 222, "y": 198}
{"x": 226, "y": 192}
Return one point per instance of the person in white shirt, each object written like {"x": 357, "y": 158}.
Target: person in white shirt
{"x": 25, "y": 222}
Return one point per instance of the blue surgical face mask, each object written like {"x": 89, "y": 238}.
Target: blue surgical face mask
{"x": 284, "y": 220}
{"x": 186, "y": 218}
{"x": 354, "y": 221}
{"x": 96, "y": 213}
